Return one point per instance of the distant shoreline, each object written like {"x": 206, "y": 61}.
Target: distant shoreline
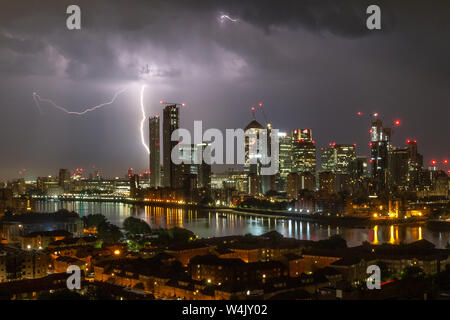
{"x": 354, "y": 222}
{"x": 346, "y": 221}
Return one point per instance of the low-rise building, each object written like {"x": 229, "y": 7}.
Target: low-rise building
{"x": 16, "y": 264}
{"x": 41, "y": 239}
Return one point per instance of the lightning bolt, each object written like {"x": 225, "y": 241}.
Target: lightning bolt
{"x": 227, "y": 17}
{"x": 37, "y": 102}
{"x": 38, "y": 99}
{"x": 144, "y": 117}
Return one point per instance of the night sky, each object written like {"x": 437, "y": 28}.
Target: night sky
{"x": 313, "y": 64}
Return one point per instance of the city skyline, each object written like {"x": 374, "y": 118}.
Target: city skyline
{"x": 206, "y": 150}
{"x": 317, "y": 155}
{"x": 332, "y": 70}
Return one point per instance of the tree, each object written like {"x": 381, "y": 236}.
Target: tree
{"x": 109, "y": 232}
{"x": 181, "y": 235}
{"x": 136, "y": 226}
{"x": 386, "y": 274}
{"x": 94, "y": 220}
{"x": 334, "y": 242}
{"x": 264, "y": 204}
{"x": 413, "y": 272}
{"x": 174, "y": 235}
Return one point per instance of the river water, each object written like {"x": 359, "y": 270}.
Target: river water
{"x": 207, "y": 223}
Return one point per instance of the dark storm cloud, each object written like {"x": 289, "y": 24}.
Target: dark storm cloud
{"x": 306, "y": 59}
{"x": 40, "y": 24}
{"x": 110, "y": 27}
{"x": 344, "y": 18}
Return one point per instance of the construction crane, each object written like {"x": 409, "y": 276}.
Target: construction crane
{"x": 386, "y": 130}
{"x": 165, "y": 103}
{"x": 268, "y": 125}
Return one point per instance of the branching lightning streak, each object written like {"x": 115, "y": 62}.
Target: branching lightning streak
{"x": 227, "y": 17}
{"x": 38, "y": 99}
{"x": 144, "y": 117}
{"x": 37, "y": 102}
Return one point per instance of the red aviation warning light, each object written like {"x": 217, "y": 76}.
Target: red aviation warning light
{"x": 397, "y": 122}
{"x": 375, "y": 114}
{"x": 252, "y": 108}
{"x": 445, "y": 161}
{"x": 433, "y": 162}
{"x": 359, "y": 113}
{"x": 260, "y": 104}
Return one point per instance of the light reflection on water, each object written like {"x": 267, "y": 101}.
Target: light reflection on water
{"x": 209, "y": 224}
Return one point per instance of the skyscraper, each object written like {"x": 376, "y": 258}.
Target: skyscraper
{"x": 252, "y": 164}
{"x": 194, "y": 164}
{"x": 360, "y": 168}
{"x": 134, "y": 185}
{"x": 170, "y": 124}
{"x": 327, "y": 182}
{"x": 299, "y": 181}
{"x": 398, "y": 167}
{"x": 405, "y": 165}
{"x": 338, "y": 158}
{"x": 303, "y": 151}
{"x": 328, "y": 158}
{"x": 64, "y": 179}
{"x": 379, "y": 154}
{"x": 155, "y": 161}
{"x": 285, "y": 160}
{"x": 204, "y": 170}
{"x": 415, "y": 164}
